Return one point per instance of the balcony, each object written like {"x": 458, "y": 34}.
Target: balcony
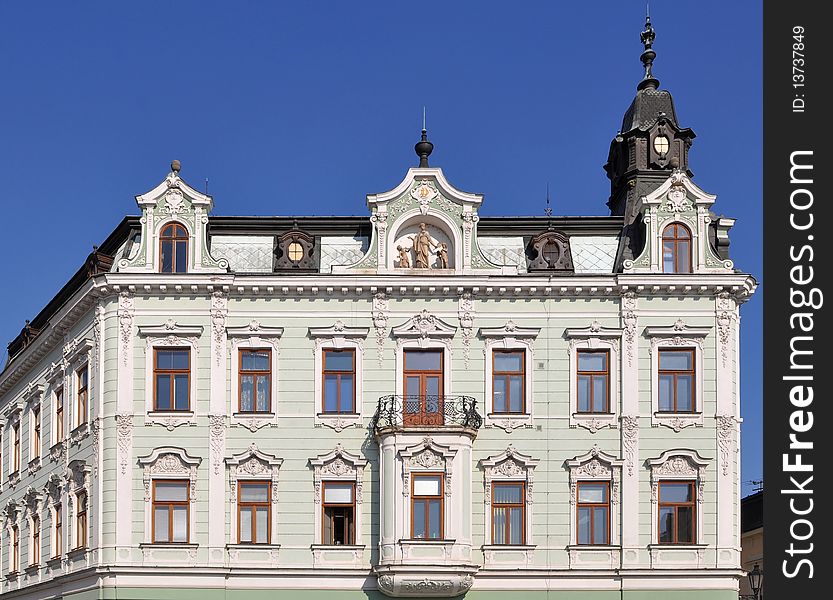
{"x": 397, "y": 413}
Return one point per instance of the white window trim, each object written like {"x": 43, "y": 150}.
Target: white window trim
{"x": 171, "y": 335}
{"x": 12, "y": 511}
{"x": 35, "y": 453}
{"x": 13, "y": 416}
{"x": 34, "y": 504}
{"x": 253, "y": 336}
{"x": 508, "y": 466}
{"x": 682, "y": 337}
{"x": 428, "y": 457}
{"x": 77, "y": 481}
{"x": 252, "y": 465}
{"x": 509, "y": 337}
{"x": 338, "y": 337}
{"x": 338, "y": 465}
{"x": 678, "y": 465}
{"x": 55, "y": 488}
{"x": 168, "y": 462}
{"x": 55, "y": 379}
{"x": 77, "y": 357}
{"x": 161, "y": 224}
{"x": 596, "y": 466}
{"x": 595, "y": 337}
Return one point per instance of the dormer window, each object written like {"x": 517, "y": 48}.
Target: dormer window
{"x": 676, "y": 249}
{"x": 173, "y": 249}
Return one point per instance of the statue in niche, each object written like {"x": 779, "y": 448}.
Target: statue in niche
{"x": 404, "y": 261}
{"x": 422, "y": 245}
{"x": 442, "y": 255}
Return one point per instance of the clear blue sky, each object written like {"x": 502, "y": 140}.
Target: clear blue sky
{"x": 305, "y": 107}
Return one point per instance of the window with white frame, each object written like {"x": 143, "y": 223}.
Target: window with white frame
{"x": 339, "y": 355}
{"x": 81, "y": 395}
{"x": 594, "y": 376}
{"x": 677, "y": 375}
{"x": 14, "y": 461}
{"x": 508, "y": 499}
{"x": 78, "y": 495}
{"x": 253, "y": 482}
{"x": 35, "y": 432}
{"x": 678, "y": 479}
{"x": 169, "y": 476}
{"x": 58, "y": 416}
{"x": 508, "y": 378}
{"x": 35, "y": 553}
{"x": 57, "y": 529}
{"x": 595, "y": 481}
{"x": 337, "y": 479}
{"x": 254, "y": 385}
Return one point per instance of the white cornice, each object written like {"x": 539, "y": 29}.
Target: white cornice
{"x": 170, "y": 327}
{"x": 678, "y": 329}
{"x": 339, "y": 330}
{"x": 594, "y": 330}
{"x": 510, "y": 330}
{"x": 254, "y": 329}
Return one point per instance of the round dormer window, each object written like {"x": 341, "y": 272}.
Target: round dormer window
{"x": 661, "y": 145}
{"x": 295, "y": 251}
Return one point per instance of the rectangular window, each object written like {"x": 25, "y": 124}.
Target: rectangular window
{"x": 58, "y": 538}
{"x": 677, "y": 517}
{"x": 82, "y": 396}
{"x": 423, "y": 377}
{"x": 59, "y": 416}
{"x": 676, "y": 380}
{"x": 36, "y": 433}
{"x": 254, "y": 515}
{"x": 427, "y": 506}
{"x": 15, "y": 466}
{"x": 339, "y": 381}
{"x": 35, "y": 559}
{"x": 15, "y": 558}
{"x": 339, "y": 509}
{"x": 170, "y": 512}
{"x": 172, "y": 379}
{"x": 593, "y": 381}
{"x": 508, "y": 513}
{"x": 508, "y": 375}
{"x": 81, "y": 521}
{"x": 255, "y": 379}
{"x": 593, "y": 512}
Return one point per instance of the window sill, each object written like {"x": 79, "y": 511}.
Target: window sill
{"x": 54, "y": 561}
{"x": 337, "y": 556}
{"x": 79, "y": 433}
{"x": 57, "y": 450}
{"x": 12, "y": 575}
{"x": 76, "y": 552}
{"x": 175, "y": 545}
{"x": 34, "y": 568}
{"x": 594, "y": 556}
{"x": 254, "y": 420}
{"x": 678, "y": 556}
{"x": 509, "y": 421}
{"x": 508, "y": 547}
{"x": 677, "y": 420}
{"x": 256, "y": 555}
{"x": 594, "y": 421}
{"x": 34, "y": 465}
{"x": 338, "y": 421}
{"x": 171, "y": 419}
{"x": 677, "y": 546}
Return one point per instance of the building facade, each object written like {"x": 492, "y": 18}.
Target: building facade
{"x": 419, "y": 403}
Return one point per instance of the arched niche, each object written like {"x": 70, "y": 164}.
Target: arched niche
{"x": 441, "y": 231}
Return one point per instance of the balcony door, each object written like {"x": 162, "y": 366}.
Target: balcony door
{"x": 423, "y": 403}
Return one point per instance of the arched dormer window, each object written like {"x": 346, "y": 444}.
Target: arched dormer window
{"x": 676, "y": 249}
{"x": 173, "y": 249}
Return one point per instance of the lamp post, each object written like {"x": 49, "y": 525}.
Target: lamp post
{"x": 755, "y": 577}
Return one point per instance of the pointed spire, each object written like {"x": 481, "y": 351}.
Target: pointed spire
{"x": 423, "y": 147}
{"x": 648, "y": 54}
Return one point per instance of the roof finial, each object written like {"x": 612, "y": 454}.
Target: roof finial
{"x": 423, "y": 147}
{"x": 648, "y": 55}
{"x": 548, "y": 209}
{"x": 175, "y": 166}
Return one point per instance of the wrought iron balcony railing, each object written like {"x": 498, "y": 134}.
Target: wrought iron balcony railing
{"x": 402, "y": 412}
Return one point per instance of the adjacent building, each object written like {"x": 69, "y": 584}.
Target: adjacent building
{"x": 421, "y": 401}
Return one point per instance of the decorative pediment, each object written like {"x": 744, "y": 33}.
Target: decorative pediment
{"x": 170, "y": 461}
{"x": 77, "y": 350}
{"x": 255, "y": 333}
{"x": 678, "y": 193}
{"x": 339, "y": 330}
{"x": 170, "y": 328}
{"x": 427, "y": 455}
{"x": 510, "y": 330}
{"x": 551, "y": 251}
{"x": 424, "y": 325}
{"x": 33, "y": 392}
{"x": 53, "y": 487}
{"x": 678, "y": 330}
{"x": 11, "y": 510}
{"x": 594, "y": 464}
{"x": 508, "y": 464}
{"x": 32, "y": 499}
{"x": 254, "y": 463}
{"x": 594, "y": 330}
{"x": 338, "y": 463}
{"x": 677, "y": 463}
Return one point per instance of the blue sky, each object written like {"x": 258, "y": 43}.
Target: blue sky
{"x": 305, "y": 107}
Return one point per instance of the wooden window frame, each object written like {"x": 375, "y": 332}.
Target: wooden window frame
{"x": 421, "y": 418}
{"x": 58, "y": 528}
{"x": 36, "y": 432}
{"x": 174, "y": 239}
{"x": 59, "y": 415}
{"x": 242, "y": 372}
{"x": 81, "y": 522}
{"x": 423, "y": 500}
{"x": 506, "y": 375}
{"x": 592, "y": 375}
{"x": 591, "y": 505}
{"x": 14, "y": 560}
{"x": 36, "y": 549}
{"x": 675, "y": 505}
{"x": 338, "y": 374}
{"x": 171, "y": 373}
{"x": 324, "y": 505}
{"x": 82, "y": 394}
{"x": 253, "y": 506}
{"x": 676, "y": 240}
{"x": 170, "y": 504}
{"x": 675, "y": 372}
{"x": 506, "y": 506}
{"x": 15, "y": 463}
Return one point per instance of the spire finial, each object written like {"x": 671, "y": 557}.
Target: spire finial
{"x": 423, "y": 147}
{"x": 548, "y": 209}
{"x": 648, "y": 55}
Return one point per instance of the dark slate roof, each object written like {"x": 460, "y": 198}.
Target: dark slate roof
{"x": 643, "y": 111}
{"x": 752, "y": 512}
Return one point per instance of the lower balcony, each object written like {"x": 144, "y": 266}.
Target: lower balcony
{"x": 426, "y": 412}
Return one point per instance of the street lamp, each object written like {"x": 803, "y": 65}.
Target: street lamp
{"x": 755, "y": 577}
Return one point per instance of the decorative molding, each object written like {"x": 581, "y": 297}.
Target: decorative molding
{"x": 511, "y": 330}
{"x": 628, "y": 308}
{"x": 424, "y": 456}
{"x": 424, "y": 326}
{"x": 679, "y": 330}
{"x": 630, "y": 440}
{"x": 217, "y": 434}
{"x": 219, "y": 310}
{"x": 169, "y": 462}
{"x": 726, "y": 426}
{"x": 170, "y": 420}
{"x": 338, "y": 465}
{"x": 678, "y": 464}
{"x": 125, "y": 313}
{"x": 339, "y": 330}
{"x": 171, "y": 329}
{"x": 594, "y": 330}
{"x": 510, "y": 465}
{"x": 726, "y": 308}
{"x": 124, "y": 435}
{"x": 595, "y": 465}
{"x": 465, "y": 313}
{"x": 380, "y": 316}
{"x": 254, "y": 331}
